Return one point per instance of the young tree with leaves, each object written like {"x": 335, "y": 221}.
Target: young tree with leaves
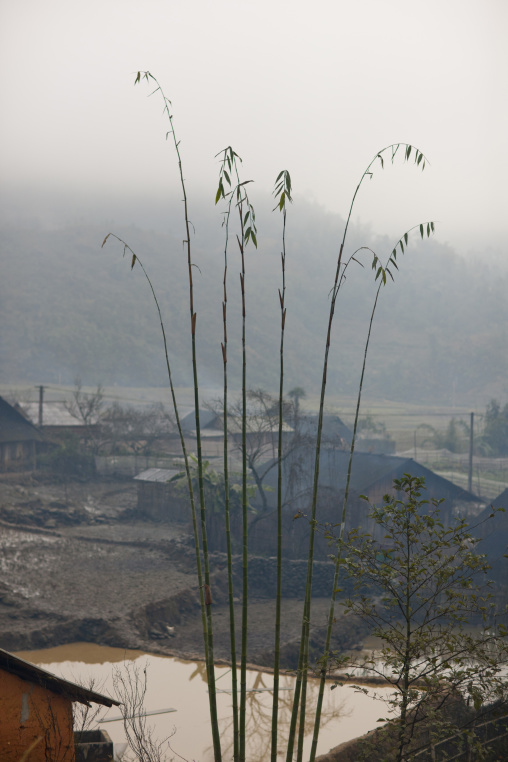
{"x": 420, "y": 585}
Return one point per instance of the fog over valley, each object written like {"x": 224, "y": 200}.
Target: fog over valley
{"x": 70, "y": 308}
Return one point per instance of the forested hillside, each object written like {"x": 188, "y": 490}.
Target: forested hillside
{"x": 70, "y": 309}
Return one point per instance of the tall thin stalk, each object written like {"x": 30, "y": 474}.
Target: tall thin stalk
{"x": 190, "y": 486}
{"x": 302, "y": 671}
{"x": 193, "y": 317}
{"x": 247, "y": 231}
{"x": 229, "y": 158}
{"x": 282, "y": 193}
{"x": 381, "y": 273}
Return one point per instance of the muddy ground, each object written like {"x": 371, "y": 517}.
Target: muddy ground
{"x": 78, "y": 564}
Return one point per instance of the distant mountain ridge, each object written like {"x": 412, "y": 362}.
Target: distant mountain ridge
{"x": 68, "y": 308}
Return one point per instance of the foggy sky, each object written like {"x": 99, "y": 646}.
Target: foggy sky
{"x": 316, "y": 88}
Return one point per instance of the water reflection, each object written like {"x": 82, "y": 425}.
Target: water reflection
{"x": 259, "y": 716}
{"x": 182, "y": 685}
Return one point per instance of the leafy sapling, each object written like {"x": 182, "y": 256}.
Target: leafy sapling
{"x": 423, "y": 590}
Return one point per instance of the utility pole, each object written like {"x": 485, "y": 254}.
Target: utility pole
{"x": 41, "y": 404}
{"x": 470, "y": 472}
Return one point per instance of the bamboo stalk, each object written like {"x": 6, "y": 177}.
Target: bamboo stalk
{"x": 229, "y": 156}
{"x": 285, "y": 192}
{"x": 303, "y": 666}
{"x": 324, "y": 662}
{"x": 193, "y": 319}
{"x": 135, "y": 258}
{"x": 381, "y": 274}
{"x": 245, "y": 560}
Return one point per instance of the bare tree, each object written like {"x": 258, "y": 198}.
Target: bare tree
{"x": 138, "y": 431}
{"x": 88, "y": 409}
{"x": 86, "y": 715}
{"x": 130, "y": 684}
{"x": 262, "y": 423}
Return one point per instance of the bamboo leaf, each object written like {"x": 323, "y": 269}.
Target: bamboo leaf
{"x": 421, "y": 230}
{"x": 254, "y": 239}
{"x": 104, "y": 241}
{"x": 133, "y": 261}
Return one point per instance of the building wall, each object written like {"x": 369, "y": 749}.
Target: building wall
{"x": 163, "y": 502}
{"x": 29, "y": 712}
{"x": 17, "y": 456}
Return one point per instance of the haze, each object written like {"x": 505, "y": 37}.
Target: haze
{"x": 316, "y": 88}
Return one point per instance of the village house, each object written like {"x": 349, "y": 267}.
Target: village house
{"x": 261, "y": 432}
{"x": 372, "y": 475}
{"x": 54, "y": 419}
{"x": 36, "y": 721}
{"x": 493, "y": 536}
{"x": 18, "y": 440}
{"x": 334, "y": 432}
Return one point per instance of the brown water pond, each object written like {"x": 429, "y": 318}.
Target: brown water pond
{"x": 181, "y": 685}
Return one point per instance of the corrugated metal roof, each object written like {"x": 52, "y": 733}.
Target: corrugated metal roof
{"x": 53, "y": 414}
{"x": 157, "y": 475}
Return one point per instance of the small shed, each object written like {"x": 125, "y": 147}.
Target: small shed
{"x": 36, "y": 712}
{"x": 18, "y": 440}
{"x": 160, "y": 499}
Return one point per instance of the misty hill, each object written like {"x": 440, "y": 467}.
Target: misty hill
{"x": 69, "y": 308}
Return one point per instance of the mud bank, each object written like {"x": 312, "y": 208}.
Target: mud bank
{"x": 78, "y": 566}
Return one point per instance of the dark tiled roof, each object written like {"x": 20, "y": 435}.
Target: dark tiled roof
{"x": 14, "y": 427}
{"x": 367, "y": 470}
{"x": 501, "y": 500}
{"x": 333, "y": 428}
{"x": 206, "y": 418}
{"x": 33, "y": 674}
